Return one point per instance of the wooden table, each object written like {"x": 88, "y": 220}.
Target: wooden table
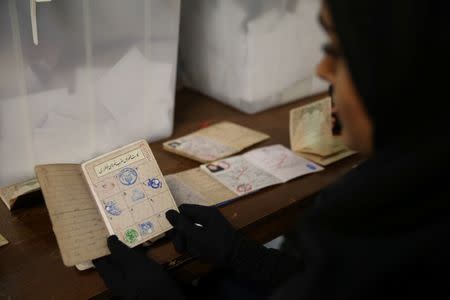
{"x": 31, "y": 266}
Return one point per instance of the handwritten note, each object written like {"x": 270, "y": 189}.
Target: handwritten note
{"x": 259, "y": 168}
{"x": 239, "y": 175}
{"x": 281, "y": 162}
{"x": 78, "y": 226}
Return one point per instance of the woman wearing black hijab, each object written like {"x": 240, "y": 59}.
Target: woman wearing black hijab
{"x": 383, "y": 230}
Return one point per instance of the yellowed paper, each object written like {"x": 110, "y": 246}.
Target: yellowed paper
{"x": 10, "y": 193}
{"x": 183, "y": 193}
{"x": 3, "y": 241}
{"x": 233, "y": 135}
{"x": 281, "y": 162}
{"x": 326, "y": 161}
{"x": 130, "y": 192}
{"x": 215, "y": 142}
{"x": 325, "y": 147}
{"x": 196, "y": 187}
{"x": 311, "y": 134}
{"x": 259, "y": 168}
{"x": 239, "y": 175}
{"x": 310, "y": 123}
{"x": 79, "y": 229}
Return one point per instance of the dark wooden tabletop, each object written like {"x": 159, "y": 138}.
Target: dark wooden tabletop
{"x": 31, "y": 265}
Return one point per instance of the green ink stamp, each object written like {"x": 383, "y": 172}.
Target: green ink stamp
{"x": 131, "y": 235}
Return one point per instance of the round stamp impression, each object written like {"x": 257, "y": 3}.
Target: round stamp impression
{"x": 244, "y": 188}
{"x": 311, "y": 167}
{"x": 112, "y": 209}
{"x": 146, "y": 227}
{"x": 137, "y": 195}
{"x": 154, "y": 183}
{"x": 128, "y": 176}
{"x": 131, "y": 236}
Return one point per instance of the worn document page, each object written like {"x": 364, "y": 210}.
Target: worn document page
{"x": 199, "y": 148}
{"x": 3, "y": 241}
{"x": 239, "y": 175}
{"x": 130, "y": 192}
{"x": 215, "y": 142}
{"x": 10, "y": 193}
{"x": 327, "y": 160}
{"x": 325, "y": 147}
{"x": 311, "y": 133}
{"x": 281, "y": 162}
{"x": 195, "y": 186}
{"x": 80, "y": 231}
{"x": 234, "y": 135}
{"x": 310, "y": 123}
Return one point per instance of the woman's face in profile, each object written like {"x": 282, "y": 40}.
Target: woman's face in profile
{"x": 357, "y": 128}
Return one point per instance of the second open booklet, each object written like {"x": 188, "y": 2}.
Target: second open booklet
{"x": 221, "y": 181}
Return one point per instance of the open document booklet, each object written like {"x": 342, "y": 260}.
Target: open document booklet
{"x": 225, "y": 180}
{"x": 122, "y": 192}
{"x": 311, "y": 133}
{"x": 215, "y": 142}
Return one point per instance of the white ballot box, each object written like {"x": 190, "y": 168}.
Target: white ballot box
{"x": 251, "y": 54}
{"x": 83, "y": 77}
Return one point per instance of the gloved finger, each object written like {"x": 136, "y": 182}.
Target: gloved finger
{"x": 198, "y": 213}
{"x": 181, "y": 223}
{"x": 121, "y": 254}
{"x": 179, "y": 242}
{"x": 129, "y": 259}
{"x": 171, "y": 234}
{"x": 111, "y": 274}
{"x": 177, "y": 239}
{"x": 172, "y": 216}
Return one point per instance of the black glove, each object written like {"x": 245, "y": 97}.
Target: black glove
{"x": 203, "y": 232}
{"x": 130, "y": 274}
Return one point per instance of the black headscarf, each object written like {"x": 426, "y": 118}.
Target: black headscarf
{"x": 398, "y": 53}
{"x": 383, "y": 230}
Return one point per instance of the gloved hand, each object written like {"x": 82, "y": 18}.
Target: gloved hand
{"x": 130, "y": 274}
{"x": 203, "y": 232}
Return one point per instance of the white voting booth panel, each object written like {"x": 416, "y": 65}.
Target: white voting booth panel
{"x": 251, "y": 54}
{"x": 82, "y": 77}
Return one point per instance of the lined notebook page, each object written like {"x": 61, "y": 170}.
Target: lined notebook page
{"x": 78, "y": 226}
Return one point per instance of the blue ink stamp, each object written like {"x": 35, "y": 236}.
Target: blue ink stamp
{"x": 146, "y": 227}
{"x": 311, "y": 167}
{"x": 137, "y": 195}
{"x": 128, "y": 176}
{"x": 112, "y": 209}
{"x": 154, "y": 183}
